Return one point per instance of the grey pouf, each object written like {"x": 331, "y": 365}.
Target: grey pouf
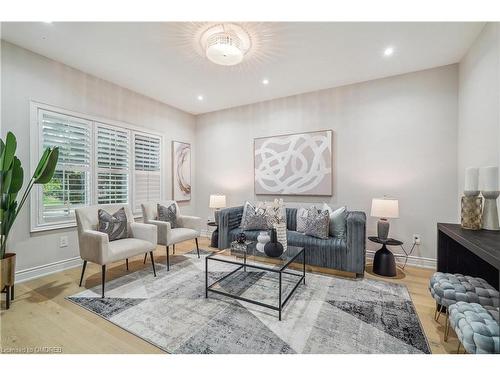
{"x": 475, "y": 327}
{"x": 448, "y": 288}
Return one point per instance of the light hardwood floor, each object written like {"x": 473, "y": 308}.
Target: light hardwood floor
{"x": 41, "y": 317}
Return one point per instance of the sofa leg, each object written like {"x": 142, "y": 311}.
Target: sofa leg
{"x": 197, "y": 247}
{"x": 152, "y": 262}
{"x": 360, "y": 275}
{"x": 83, "y": 272}
{"x": 103, "y": 274}
{"x": 145, "y": 257}
{"x": 126, "y": 261}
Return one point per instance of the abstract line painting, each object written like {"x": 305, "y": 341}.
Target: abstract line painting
{"x": 294, "y": 164}
{"x": 181, "y": 171}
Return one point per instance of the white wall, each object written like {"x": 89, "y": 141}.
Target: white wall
{"x": 27, "y": 76}
{"x": 395, "y": 136}
{"x": 479, "y": 103}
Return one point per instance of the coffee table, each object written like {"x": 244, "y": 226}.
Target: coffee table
{"x": 252, "y": 258}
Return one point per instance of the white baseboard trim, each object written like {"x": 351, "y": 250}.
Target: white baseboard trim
{"x": 412, "y": 260}
{"x": 47, "y": 269}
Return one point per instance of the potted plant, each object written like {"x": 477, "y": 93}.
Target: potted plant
{"x": 11, "y": 181}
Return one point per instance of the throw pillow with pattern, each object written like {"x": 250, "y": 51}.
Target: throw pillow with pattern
{"x": 317, "y": 224}
{"x": 115, "y": 226}
{"x": 302, "y": 214}
{"x": 254, "y": 218}
{"x": 168, "y": 214}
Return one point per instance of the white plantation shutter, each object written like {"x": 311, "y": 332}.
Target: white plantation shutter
{"x": 70, "y": 186}
{"x": 112, "y": 163}
{"x": 147, "y": 169}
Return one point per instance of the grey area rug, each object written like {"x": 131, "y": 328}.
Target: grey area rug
{"x": 327, "y": 315}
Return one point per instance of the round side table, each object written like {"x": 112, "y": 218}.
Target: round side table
{"x": 384, "y": 263}
{"x": 214, "y": 240}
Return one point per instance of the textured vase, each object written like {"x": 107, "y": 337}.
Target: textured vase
{"x": 471, "y": 208}
{"x": 281, "y": 234}
{"x": 262, "y": 239}
{"x": 490, "y": 211}
{"x": 273, "y": 248}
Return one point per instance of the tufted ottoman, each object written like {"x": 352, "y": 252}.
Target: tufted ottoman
{"x": 476, "y": 328}
{"x": 448, "y": 288}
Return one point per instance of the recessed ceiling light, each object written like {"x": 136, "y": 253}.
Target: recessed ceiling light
{"x": 200, "y": 97}
{"x": 389, "y": 51}
{"x": 265, "y": 81}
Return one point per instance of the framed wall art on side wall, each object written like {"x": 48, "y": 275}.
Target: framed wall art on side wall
{"x": 181, "y": 171}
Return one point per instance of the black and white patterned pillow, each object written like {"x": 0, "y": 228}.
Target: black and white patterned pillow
{"x": 302, "y": 214}
{"x": 317, "y": 224}
{"x": 168, "y": 214}
{"x": 115, "y": 226}
{"x": 254, "y": 218}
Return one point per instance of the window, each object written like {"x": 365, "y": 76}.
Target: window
{"x": 70, "y": 186}
{"x": 99, "y": 163}
{"x": 147, "y": 171}
{"x": 112, "y": 165}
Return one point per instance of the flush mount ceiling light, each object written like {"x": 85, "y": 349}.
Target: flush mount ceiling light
{"x": 389, "y": 51}
{"x": 226, "y": 43}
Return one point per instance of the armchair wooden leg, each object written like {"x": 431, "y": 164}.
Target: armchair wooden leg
{"x": 145, "y": 257}
{"x": 197, "y": 247}
{"x": 103, "y": 272}
{"x": 126, "y": 261}
{"x": 173, "y": 249}
{"x": 168, "y": 259}
{"x": 152, "y": 262}
{"x": 83, "y": 271}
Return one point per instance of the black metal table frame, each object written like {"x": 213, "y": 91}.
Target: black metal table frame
{"x": 281, "y": 302}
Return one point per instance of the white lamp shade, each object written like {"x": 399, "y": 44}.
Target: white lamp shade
{"x": 385, "y": 208}
{"x": 217, "y": 201}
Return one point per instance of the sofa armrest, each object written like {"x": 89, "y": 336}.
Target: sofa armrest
{"x": 191, "y": 222}
{"x": 163, "y": 231}
{"x": 146, "y": 232}
{"x": 356, "y": 241}
{"x": 229, "y": 218}
{"x": 94, "y": 246}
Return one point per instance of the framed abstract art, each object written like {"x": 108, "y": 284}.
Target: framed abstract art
{"x": 181, "y": 171}
{"x": 294, "y": 164}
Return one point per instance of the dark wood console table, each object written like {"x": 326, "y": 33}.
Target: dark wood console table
{"x": 469, "y": 252}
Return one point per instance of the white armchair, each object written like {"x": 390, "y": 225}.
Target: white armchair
{"x": 95, "y": 246}
{"x": 188, "y": 227}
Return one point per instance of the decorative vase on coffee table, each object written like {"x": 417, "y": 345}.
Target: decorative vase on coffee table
{"x": 262, "y": 239}
{"x": 281, "y": 234}
{"x": 273, "y": 248}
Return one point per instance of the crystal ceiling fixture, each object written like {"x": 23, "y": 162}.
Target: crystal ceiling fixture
{"x": 226, "y": 43}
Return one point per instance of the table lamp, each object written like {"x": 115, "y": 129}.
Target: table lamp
{"x": 384, "y": 208}
{"x": 217, "y": 201}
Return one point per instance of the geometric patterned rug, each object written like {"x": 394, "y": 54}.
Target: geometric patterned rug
{"x": 326, "y": 315}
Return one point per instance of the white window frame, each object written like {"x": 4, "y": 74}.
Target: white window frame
{"x": 36, "y": 148}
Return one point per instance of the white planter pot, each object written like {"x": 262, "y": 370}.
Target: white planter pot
{"x": 281, "y": 234}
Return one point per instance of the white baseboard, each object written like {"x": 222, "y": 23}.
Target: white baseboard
{"x": 412, "y": 260}
{"x": 47, "y": 269}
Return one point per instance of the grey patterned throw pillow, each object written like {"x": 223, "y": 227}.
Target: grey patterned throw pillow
{"x": 115, "y": 226}
{"x": 168, "y": 214}
{"x": 254, "y": 218}
{"x": 302, "y": 214}
{"x": 317, "y": 224}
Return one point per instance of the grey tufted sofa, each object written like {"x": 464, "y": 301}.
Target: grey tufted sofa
{"x": 342, "y": 253}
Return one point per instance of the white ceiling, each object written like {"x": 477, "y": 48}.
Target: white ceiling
{"x": 164, "y": 61}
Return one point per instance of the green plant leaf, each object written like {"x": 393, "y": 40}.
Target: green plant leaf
{"x": 41, "y": 163}
{"x": 17, "y": 176}
{"x": 49, "y": 168}
{"x": 6, "y": 181}
{"x": 8, "y": 151}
